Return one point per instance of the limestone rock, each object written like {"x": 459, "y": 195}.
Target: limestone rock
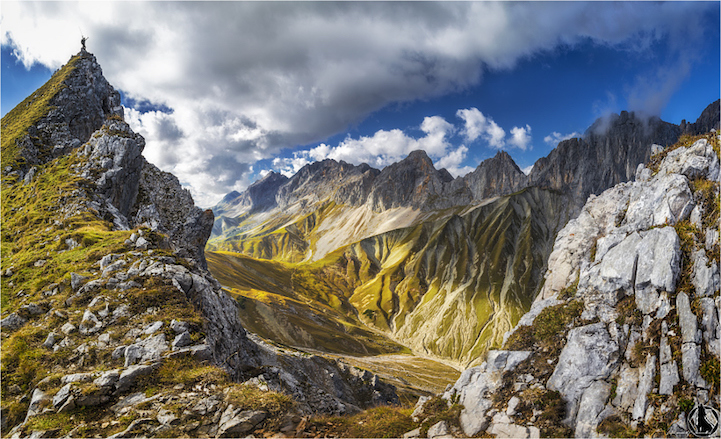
{"x": 705, "y": 278}
{"x": 475, "y": 387}
{"x": 90, "y": 323}
{"x": 439, "y": 430}
{"x": 503, "y": 426}
{"x": 690, "y": 362}
{"x": 36, "y": 401}
{"x": 181, "y": 340}
{"x": 76, "y": 281}
{"x": 236, "y": 421}
{"x": 669, "y": 378}
{"x": 149, "y": 349}
{"x": 663, "y": 200}
{"x": 687, "y": 319}
{"x": 589, "y": 355}
{"x": 12, "y": 322}
{"x": 645, "y": 384}
{"x": 128, "y": 376}
{"x": 658, "y": 267}
{"x": 591, "y": 405}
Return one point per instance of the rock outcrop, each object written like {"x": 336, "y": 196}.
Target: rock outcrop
{"x": 124, "y": 285}
{"x": 710, "y": 119}
{"x": 613, "y": 336}
{"x": 607, "y": 154}
{"x": 496, "y": 176}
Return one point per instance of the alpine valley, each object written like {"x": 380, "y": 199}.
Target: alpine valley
{"x": 579, "y": 300}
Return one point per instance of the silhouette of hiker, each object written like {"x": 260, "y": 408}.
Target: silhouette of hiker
{"x": 82, "y": 41}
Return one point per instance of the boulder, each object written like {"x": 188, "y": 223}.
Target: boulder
{"x": 36, "y": 402}
{"x": 181, "y": 340}
{"x": 77, "y": 281}
{"x": 128, "y": 376}
{"x": 90, "y": 324}
{"x": 234, "y": 422}
{"x": 149, "y": 349}
{"x": 439, "y": 430}
{"x": 503, "y": 426}
{"x": 12, "y": 322}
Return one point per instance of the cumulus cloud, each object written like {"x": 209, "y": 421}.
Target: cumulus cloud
{"x": 246, "y": 80}
{"x": 527, "y": 170}
{"x": 520, "y": 137}
{"x": 476, "y": 125}
{"x": 555, "y": 137}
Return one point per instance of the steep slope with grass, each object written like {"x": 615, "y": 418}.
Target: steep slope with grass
{"x": 447, "y": 287}
{"x": 624, "y": 339}
{"x": 111, "y": 324}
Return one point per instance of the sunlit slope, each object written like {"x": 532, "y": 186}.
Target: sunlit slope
{"x": 447, "y": 287}
{"x": 298, "y": 306}
{"x": 451, "y": 288}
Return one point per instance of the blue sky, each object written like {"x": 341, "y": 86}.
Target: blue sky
{"x": 224, "y": 92}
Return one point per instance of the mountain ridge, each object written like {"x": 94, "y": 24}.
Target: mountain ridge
{"x": 625, "y": 136}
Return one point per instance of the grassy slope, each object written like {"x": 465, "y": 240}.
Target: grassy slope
{"x": 47, "y": 233}
{"x": 16, "y": 122}
{"x": 442, "y": 287}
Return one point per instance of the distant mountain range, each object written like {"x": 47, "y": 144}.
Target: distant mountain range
{"x": 439, "y": 264}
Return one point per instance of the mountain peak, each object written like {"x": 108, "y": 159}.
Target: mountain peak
{"x": 59, "y": 116}
{"x": 498, "y": 175}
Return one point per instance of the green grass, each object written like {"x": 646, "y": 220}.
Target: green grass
{"x": 378, "y": 422}
{"x": 16, "y": 122}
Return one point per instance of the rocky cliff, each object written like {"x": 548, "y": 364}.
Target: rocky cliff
{"x": 710, "y": 119}
{"x": 624, "y": 339}
{"x": 495, "y": 176}
{"x": 111, "y": 323}
{"x": 607, "y": 154}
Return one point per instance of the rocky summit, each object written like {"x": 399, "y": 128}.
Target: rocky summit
{"x": 111, "y": 323}
{"x": 579, "y": 300}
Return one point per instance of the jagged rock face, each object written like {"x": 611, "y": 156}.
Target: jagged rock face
{"x": 608, "y": 154}
{"x": 80, "y": 108}
{"x": 166, "y": 206}
{"x": 320, "y": 180}
{"x": 620, "y": 262}
{"x": 258, "y": 197}
{"x": 97, "y": 193}
{"x": 115, "y": 154}
{"x": 710, "y": 119}
{"x": 496, "y": 176}
{"x": 416, "y": 183}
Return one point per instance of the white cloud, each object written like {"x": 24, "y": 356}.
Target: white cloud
{"x": 247, "y": 79}
{"x": 520, "y": 137}
{"x": 381, "y": 149}
{"x": 527, "y": 170}
{"x": 555, "y": 137}
{"x": 453, "y": 160}
{"x": 476, "y": 125}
